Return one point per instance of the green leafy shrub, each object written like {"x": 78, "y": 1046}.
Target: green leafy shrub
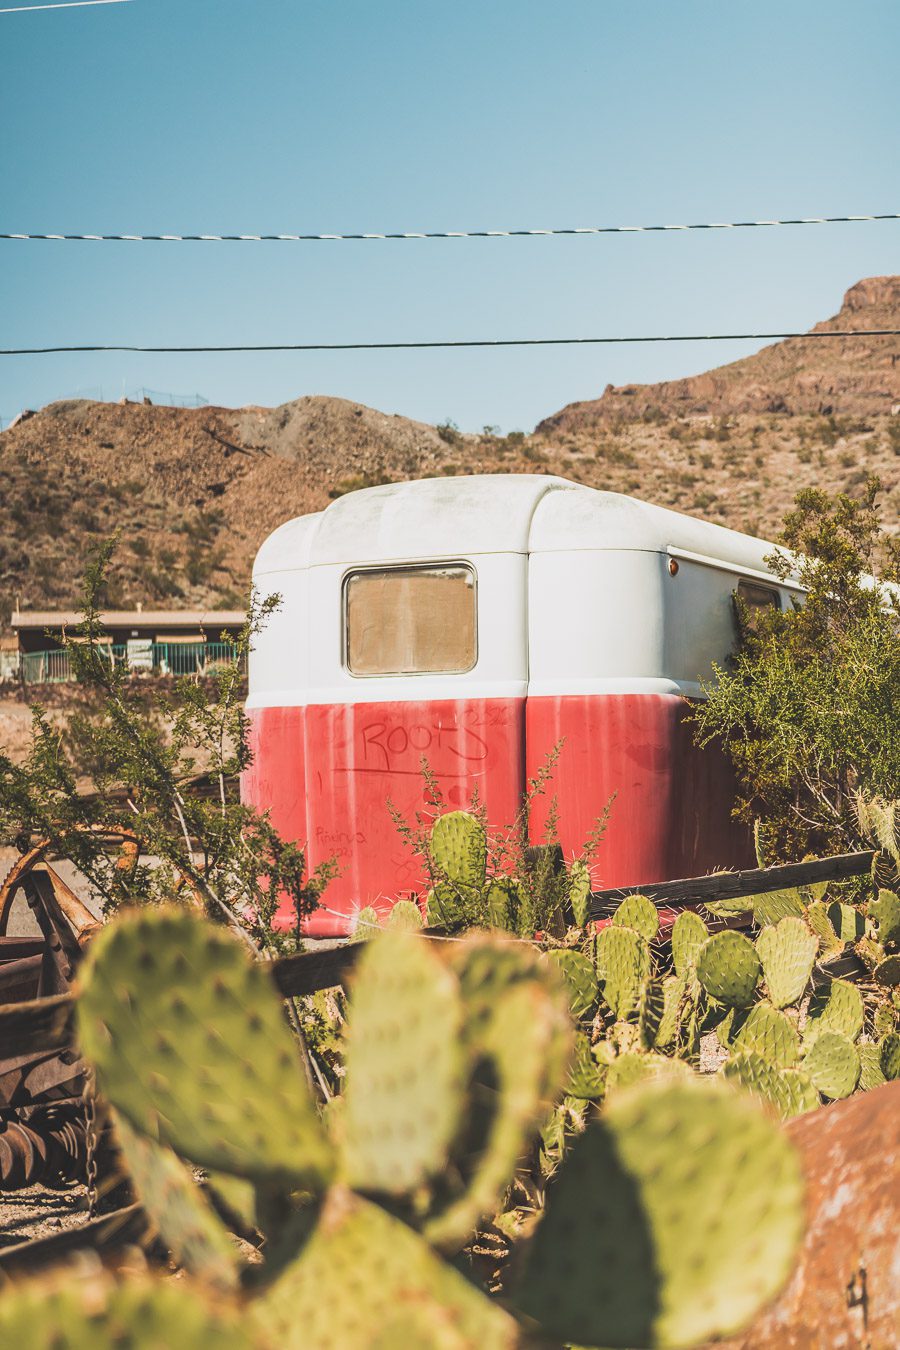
{"x": 805, "y": 710}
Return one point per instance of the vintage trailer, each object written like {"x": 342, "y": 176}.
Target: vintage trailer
{"x": 478, "y": 621}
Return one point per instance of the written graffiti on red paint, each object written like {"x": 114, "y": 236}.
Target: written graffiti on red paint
{"x": 338, "y": 843}
{"x": 397, "y": 746}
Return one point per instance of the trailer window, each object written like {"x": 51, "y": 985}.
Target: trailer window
{"x": 757, "y": 597}
{"x": 756, "y": 600}
{"x": 410, "y": 620}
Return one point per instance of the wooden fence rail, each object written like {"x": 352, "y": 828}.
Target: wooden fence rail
{"x": 48, "y": 1024}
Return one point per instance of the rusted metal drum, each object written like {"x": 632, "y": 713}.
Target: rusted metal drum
{"x": 845, "y": 1291}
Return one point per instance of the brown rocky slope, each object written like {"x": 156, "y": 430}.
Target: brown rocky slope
{"x": 194, "y": 491}
{"x": 848, "y": 375}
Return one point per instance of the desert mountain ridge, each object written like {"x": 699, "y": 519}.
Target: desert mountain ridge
{"x": 193, "y": 492}
{"x": 850, "y": 376}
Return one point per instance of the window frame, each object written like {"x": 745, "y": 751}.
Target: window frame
{"x": 443, "y": 564}
{"x": 751, "y": 584}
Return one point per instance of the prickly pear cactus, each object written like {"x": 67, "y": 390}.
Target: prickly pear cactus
{"x": 459, "y": 850}
{"x": 870, "y": 1075}
{"x": 787, "y": 951}
{"x": 502, "y": 903}
{"x": 889, "y": 1055}
{"x": 190, "y": 1045}
{"x": 443, "y": 907}
{"x": 729, "y": 968}
{"x": 580, "y": 892}
{"x": 689, "y": 933}
{"x": 405, "y": 917}
{"x": 675, "y": 1007}
{"x": 769, "y": 1033}
{"x": 579, "y": 976}
{"x": 887, "y": 972}
{"x": 89, "y": 1311}
{"x": 623, "y": 964}
{"x": 832, "y": 1064}
{"x": 628, "y": 1069}
{"x": 836, "y": 1007}
{"x": 361, "y": 1270}
{"x": 830, "y": 943}
{"x": 367, "y": 923}
{"x": 186, "y": 1222}
{"x": 404, "y": 1063}
{"x": 790, "y": 1091}
{"x": 639, "y": 913}
{"x": 847, "y": 922}
{"x": 674, "y": 1216}
{"x": 885, "y": 915}
{"x": 587, "y": 1077}
{"x": 519, "y": 1039}
{"x": 773, "y": 906}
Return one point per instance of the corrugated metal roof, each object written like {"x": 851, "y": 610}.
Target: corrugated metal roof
{"x": 133, "y": 618}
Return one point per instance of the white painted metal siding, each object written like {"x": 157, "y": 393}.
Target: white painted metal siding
{"x": 574, "y": 590}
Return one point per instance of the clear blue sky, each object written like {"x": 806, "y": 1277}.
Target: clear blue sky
{"x": 278, "y": 115}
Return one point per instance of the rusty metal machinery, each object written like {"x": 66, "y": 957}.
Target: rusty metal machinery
{"x": 49, "y": 1150}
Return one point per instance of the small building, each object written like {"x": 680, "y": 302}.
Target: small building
{"x": 165, "y": 642}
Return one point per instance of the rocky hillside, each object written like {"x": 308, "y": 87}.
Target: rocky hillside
{"x": 194, "y": 491}
{"x": 852, "y": 376}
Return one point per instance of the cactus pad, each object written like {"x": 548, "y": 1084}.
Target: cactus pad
{"x": 833, "y": 1064}
{"x": 367, "y": 923}
{"x": 580, "y": 891}
{"x": 623, "y": 964}
{"x": 674, "y": 992}
{"x": 787, "y": 951}
{"x": 405, "y": 916}
{"x": 880, "y": 819}
{"x": 91, "y": 1312}
{"x": 847, "y": 922}
{"x": 179, "y": 1211}
{"x": 405, "y": 1067}
{"x": 676, "y": 1215}
{"x": 870, "y": 1075}
{"x": 502, "y": 904}
{"x": 360, "y": 1277}
{"x": 789, "y": 1091}
{"x": 519, "y": 1038}
{"x": 769, "y": 1033}
{"x": 797, "y": 1094}
{"x": 729, "y": 968}
{"x": 885, "y": 872}
{"x": 219, "y": 1078}
{"x": 639, "y": 913}
{"x": 821, "y": 925}
{"x": 889, "y": 1055}
{"x": 885, "y": 915}
{"x": 579, "y": 976}
{"x": 443, "y": 907}
{"x": 773, "y": 906}
{"x": 689, "y": 933}
{"x": 836, "y": 1007}
{"x": 587, "y": 1078}
{"x": 887, "y": 972}
{"x": 628, "y": 1069}
{"x": 459, "y": 850}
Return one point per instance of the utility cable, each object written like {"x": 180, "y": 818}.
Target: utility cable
{"x": 438, "y": 234}
{"x": 448, "y": 343}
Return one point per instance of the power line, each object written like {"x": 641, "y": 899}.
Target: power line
{"x": 431, "y": 234}
{"x": 63, "y": 4}
{"x": 448, "y": 343}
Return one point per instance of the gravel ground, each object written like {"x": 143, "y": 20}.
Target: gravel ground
{"x": 40, "y": 1212}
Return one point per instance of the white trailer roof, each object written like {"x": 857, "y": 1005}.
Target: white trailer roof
{"x": 493, "y": 513}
